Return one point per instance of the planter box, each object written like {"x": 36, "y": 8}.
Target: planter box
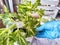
{"x": 49, "y": 2}
{"x": 52, "y": 13}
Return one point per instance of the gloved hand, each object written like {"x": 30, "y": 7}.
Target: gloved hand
{"x": 51, "y": 25}
{"x": 49, "y": 30}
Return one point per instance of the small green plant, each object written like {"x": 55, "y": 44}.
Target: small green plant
{"x": 7, "y": 35}
{"x": 30, "y": 15}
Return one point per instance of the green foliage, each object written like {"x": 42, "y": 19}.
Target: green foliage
{"x": 7, "y": 36}
{"x": 25, "y": 10}
{"x": 5, "y": 9}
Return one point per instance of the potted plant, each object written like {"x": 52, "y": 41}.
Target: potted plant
{"x": 7, "y": 35}
{"x": 29, "y": 15}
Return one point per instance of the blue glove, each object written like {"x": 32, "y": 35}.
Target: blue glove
{"x": 49, "y": 30}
